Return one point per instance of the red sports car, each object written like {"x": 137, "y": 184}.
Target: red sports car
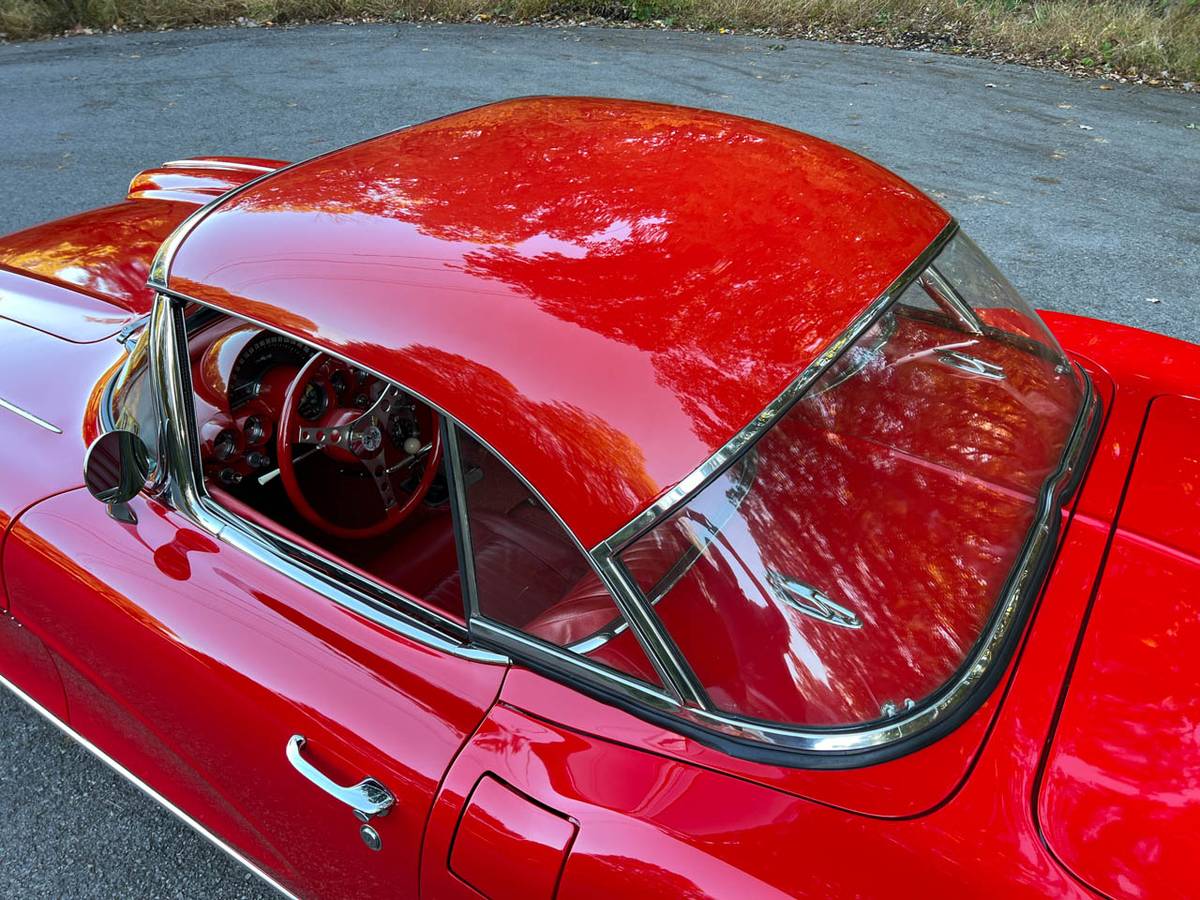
{"x": 588, "y": 498}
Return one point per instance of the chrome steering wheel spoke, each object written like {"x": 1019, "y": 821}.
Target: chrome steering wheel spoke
{"x": 377, "y": 469}
{"x": 363, "y": 433}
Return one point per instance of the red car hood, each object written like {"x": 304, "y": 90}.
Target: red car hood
{"x": 1120, "y": 797}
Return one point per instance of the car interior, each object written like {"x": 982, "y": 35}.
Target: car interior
{"x": 349, "y": 466}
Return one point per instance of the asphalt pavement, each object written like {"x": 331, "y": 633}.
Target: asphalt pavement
{"x": 1089, "y": 199}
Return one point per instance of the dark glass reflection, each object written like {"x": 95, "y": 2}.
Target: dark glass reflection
{"x": 851, "y": 562}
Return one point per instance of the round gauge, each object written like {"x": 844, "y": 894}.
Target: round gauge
{"x": 338, "y": 382}
{"x": 254, "y": 430}
{"x": 225, "y": 446}
{"x": 262, "y": 354}
{"x": 312, "y": 402}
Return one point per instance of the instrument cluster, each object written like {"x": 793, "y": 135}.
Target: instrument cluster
{"x": 241, "y": 375}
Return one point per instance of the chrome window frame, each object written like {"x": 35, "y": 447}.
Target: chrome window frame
{"x": 1022, "y": 584}
{"x": 184, "y": 490}
{"x": 514, "y": 639}
{"x": 492, "y": 643}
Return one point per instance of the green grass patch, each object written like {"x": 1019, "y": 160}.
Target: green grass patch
{"x": 1115, "y": 35}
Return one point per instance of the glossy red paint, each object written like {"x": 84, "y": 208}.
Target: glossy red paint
{"x": 507, "y": 847}
{"x": 1120, "y": 802}
{"x": 503, "y": 263}
{"x": 57, "y": 310}
{"x": 198, "y": 180}
{"x": 105, "y": 253}
{"x": 192, "y": 663}
{"x": 53, "y": 379}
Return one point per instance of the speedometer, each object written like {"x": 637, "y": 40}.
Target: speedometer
{"x": 262, "y": 354}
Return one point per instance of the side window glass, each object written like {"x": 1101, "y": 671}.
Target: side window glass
{"x": 326, "y": 455}
{"x": 134, "y": 406}
{"x": 530, "y": 575}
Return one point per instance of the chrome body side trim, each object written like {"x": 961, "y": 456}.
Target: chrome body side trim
{"x": 758, "y": 426}
{"x": 143, "y": 787}
{"x": 26, "y": 414}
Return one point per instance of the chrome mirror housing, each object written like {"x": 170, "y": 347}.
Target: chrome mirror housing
{"x": 115, "y": 469}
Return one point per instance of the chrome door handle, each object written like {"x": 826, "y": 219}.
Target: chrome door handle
{"x": 368, "y": 798}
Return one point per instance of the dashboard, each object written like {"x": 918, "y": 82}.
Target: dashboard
{"x": 240, "y": 375}
{"x": 241, "y": 378}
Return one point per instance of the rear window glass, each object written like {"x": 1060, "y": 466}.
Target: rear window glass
{"x": 843, "y": 570}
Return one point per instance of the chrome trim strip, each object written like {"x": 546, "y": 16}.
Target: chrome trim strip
{"x": 476, "y": 620}
{"x": 756, "y": 427}
{"x": 602, "y": 636}
{"x": 318, "y": 573}
{"x": 26, "y": 414}
{"x": 462, "y": 520}
{"x": 143, "y": 787}
{"x": 556, "y": 657}
{"x": 214, "y": 164}
{"x": 672, "y": 668}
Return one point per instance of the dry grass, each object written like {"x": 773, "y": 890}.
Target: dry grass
{"x": 1114, "y": 35}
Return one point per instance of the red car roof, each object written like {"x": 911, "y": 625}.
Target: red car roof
{"x": 604, "y": 291}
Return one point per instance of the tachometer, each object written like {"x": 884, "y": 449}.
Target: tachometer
{"x": 262, "y": 354}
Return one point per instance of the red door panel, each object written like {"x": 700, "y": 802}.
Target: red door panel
{"x": 26, "y": 664}
{"x": 193, "y": 663}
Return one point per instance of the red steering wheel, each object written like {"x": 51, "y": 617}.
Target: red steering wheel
{"x": 350, "y": 434}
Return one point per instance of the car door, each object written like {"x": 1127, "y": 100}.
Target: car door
{"x": 195, "y": 664}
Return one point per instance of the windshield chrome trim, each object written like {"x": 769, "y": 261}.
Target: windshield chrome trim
{"x": 699, "y": 478}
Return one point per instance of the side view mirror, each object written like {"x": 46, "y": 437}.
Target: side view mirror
{"x": 115, "y": 470}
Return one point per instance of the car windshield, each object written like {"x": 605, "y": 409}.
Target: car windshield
{"x": 844, "y": 568}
